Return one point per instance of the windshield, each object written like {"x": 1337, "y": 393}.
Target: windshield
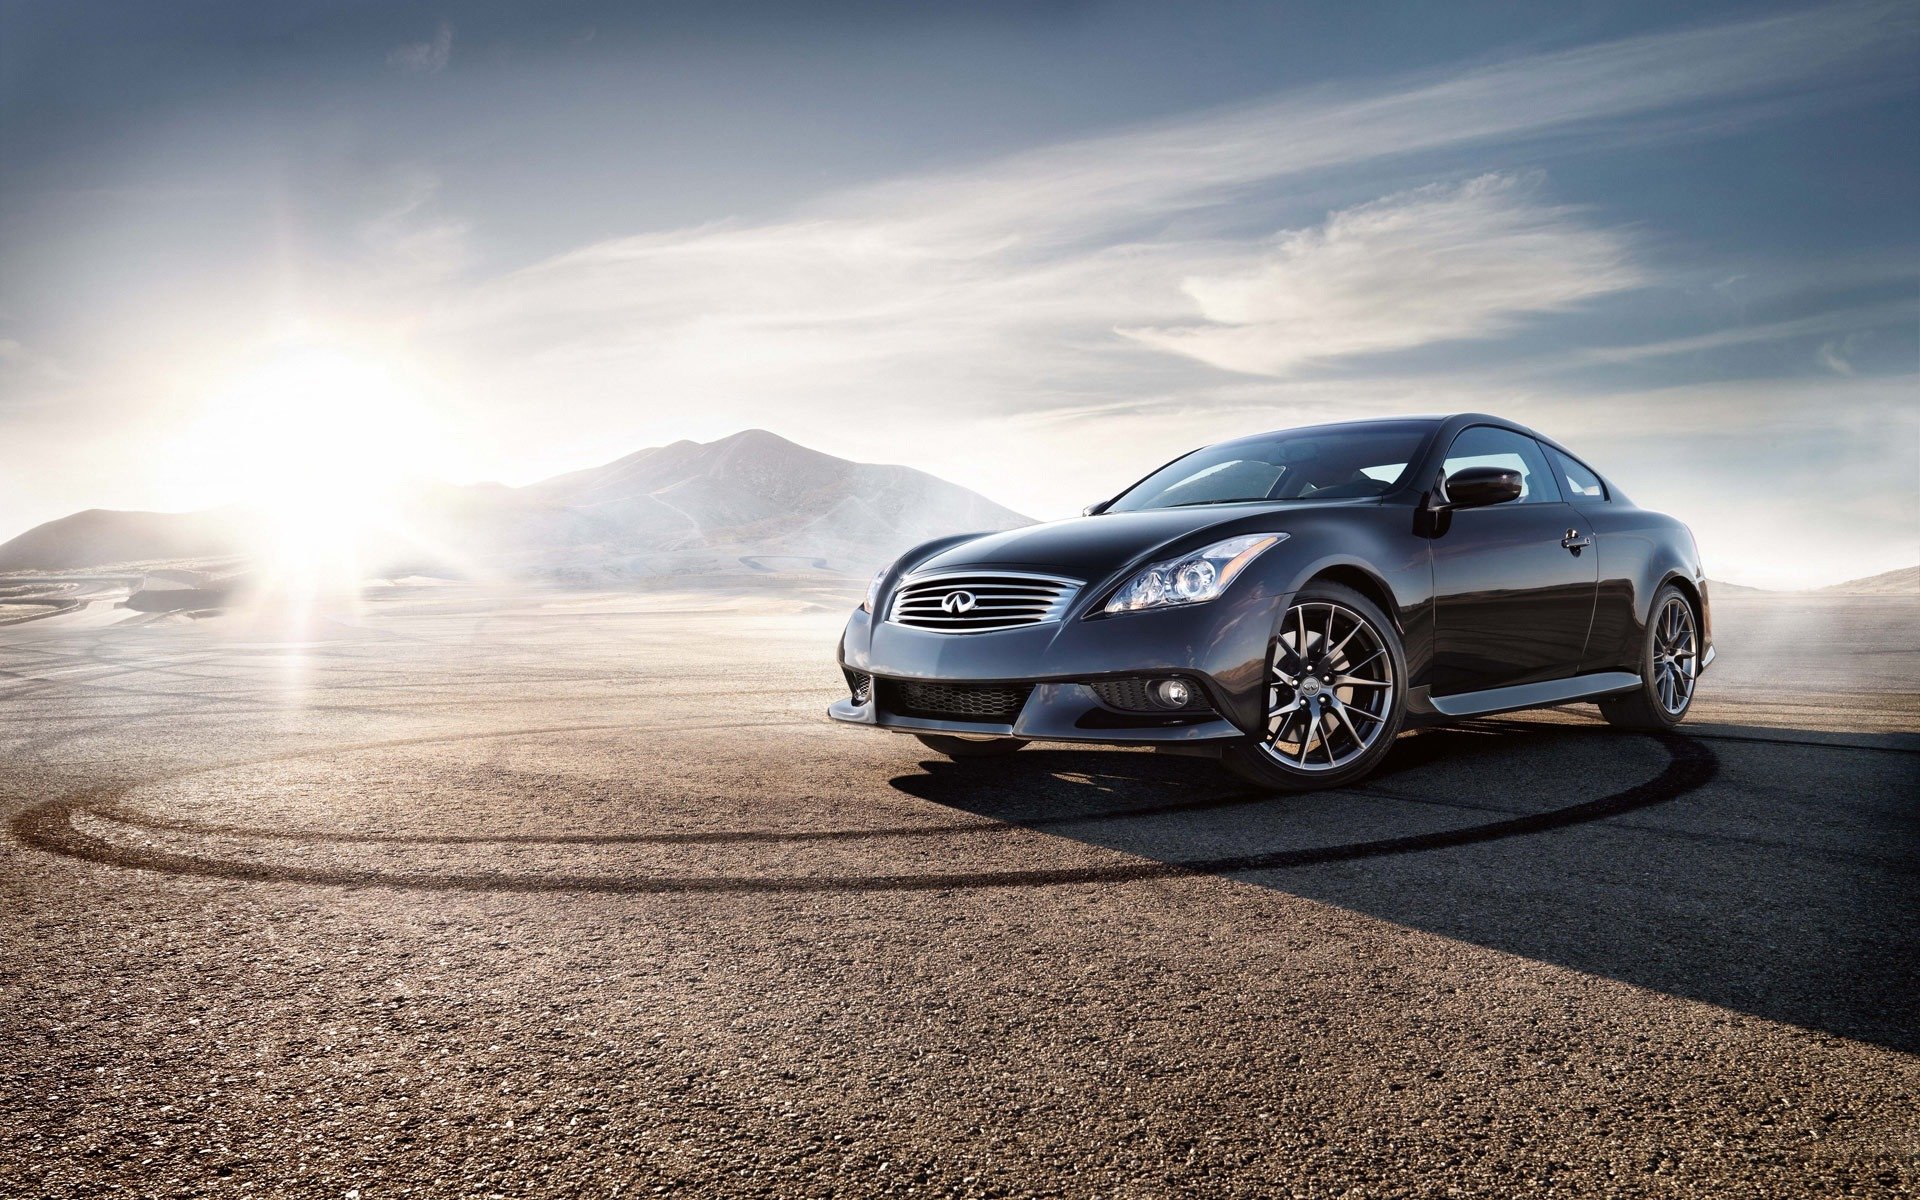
{"x": 1338, "y": 462}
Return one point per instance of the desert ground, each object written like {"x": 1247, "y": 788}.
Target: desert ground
{"x": 548, "y": 894}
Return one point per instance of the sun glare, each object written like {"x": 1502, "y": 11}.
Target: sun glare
{"x": 314, "y": 444}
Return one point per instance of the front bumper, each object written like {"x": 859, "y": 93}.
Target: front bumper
{"x": 1221, "y": 646}
{"x": 1055, "y": 712}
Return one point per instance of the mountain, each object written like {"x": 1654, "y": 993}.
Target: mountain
{"x": 750, "y": 503}
{"x": 759, "y": 489}
{"x": 1902, "y": 582}
{"x": 101, "y": 536}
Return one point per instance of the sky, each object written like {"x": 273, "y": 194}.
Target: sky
{"x": 1036, "y": 249}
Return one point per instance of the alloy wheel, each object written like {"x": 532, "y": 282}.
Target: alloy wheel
{"x": 1676, "y": 655}
{"x": 1330, "y": 693}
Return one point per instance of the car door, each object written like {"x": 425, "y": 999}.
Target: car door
{"x": 1617, "y": 599}
{"x": 1514, "y": 583}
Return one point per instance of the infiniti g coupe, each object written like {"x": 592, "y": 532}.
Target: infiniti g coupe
{"x": 1291, "y": 601}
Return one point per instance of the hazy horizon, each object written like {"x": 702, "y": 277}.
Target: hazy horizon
{"x": 1031, "y": 250}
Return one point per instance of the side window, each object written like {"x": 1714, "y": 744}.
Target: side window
{"x": 1575, "y": 480}
{"x": 1487, "y": 446}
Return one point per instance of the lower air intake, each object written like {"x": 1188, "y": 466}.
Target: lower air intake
{"x": 988, "y": 703}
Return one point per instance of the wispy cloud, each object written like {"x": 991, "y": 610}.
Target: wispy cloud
{"x": 1436, "y": 264}
{"x": 1836, "y": 353}
{"x": 1042, "y": 256}
{"x": 411, "y": 240}
{"x": 429, "y": 57}
{"x": 1855, "y": 323}
{"x": 1089, "y": 188}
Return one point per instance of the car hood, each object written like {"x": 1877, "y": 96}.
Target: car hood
{"x": 1090, "y": 548}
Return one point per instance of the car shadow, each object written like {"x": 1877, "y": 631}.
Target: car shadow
{"x": 1778, "y": 880}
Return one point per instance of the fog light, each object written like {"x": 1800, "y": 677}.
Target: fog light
{"x": 860, "y": 684}
{"x": 1171, "y": 693}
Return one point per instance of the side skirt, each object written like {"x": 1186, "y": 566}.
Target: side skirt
{"x": 1525, "y": 695}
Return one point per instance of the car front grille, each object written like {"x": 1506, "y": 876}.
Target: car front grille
{"x": 981, "y": 601}
{"x": 989, "y": 703}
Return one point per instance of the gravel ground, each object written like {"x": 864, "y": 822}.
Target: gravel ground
{"x": 547, "y": 896}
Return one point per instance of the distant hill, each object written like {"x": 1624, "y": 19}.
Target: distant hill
{"x": 1902, "y": 582}
{"x": 752, "y": 503}
{"x": 1720, "y": 587}
{"x": 101, "y": 537}
{"x": 759, "y": 489}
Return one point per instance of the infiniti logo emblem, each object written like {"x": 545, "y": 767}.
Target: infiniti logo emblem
{"x": 957, "y": 603}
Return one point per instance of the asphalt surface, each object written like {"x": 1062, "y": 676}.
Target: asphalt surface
{"x": 553, "y": 896}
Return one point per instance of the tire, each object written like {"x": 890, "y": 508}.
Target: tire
{"x": 959, "y": 747}
{"x": 1367, "y": 714}
{"x": 1669, "y": 667}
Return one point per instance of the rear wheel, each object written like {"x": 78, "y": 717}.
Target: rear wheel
{"x": 1336, "y": 694}
{"x": 961, "y": 747}
{"x": 1669, "y": 667}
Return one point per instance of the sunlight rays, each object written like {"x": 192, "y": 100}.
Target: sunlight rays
{"x": 314, "y": 446}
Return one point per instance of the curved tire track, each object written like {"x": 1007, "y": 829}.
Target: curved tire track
{"x": 49, "y": 827}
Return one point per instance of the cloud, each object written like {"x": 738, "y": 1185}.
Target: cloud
{"x": 1854, "y": 322}
{"x": 825, "y": 310}
{"x": 410, "y": 241}
{"x": 1436, "y": 264}
{"x": 1017, "y": 273}
{"x": 1836, "y": 353}
{"x": 1081, "y": 190}
{"x": 429, "y": 57}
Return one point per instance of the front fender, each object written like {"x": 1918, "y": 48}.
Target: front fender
{"x": 1381, "y": 558}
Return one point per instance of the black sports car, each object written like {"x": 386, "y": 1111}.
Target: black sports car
{"x": 1290, "y": 601}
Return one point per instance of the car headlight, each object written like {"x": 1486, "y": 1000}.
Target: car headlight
{"x": 873, "y": 589}
{"x": 1192, "y": 578}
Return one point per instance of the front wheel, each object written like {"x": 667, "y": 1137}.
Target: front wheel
{"x": 960, "y": 747}
{"x": 1336, "y": 694}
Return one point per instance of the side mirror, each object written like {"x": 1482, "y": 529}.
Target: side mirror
{"x": 1477, "y": 487}
{"x": 1095, "y": 509}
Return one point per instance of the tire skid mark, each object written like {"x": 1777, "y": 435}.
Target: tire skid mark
{"x": 118, "y": 814}
{"x": 38, "y": 745}
{"x": 49, "y": 827}
{"x": 983, "y": 827}
{"x": 1754, "y": 739}
{"x": 1708, "y": 734}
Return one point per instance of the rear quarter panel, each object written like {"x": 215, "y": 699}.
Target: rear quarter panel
{"x": 1639, "y": 550}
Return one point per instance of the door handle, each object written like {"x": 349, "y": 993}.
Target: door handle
{"x": 1574, "y": 542}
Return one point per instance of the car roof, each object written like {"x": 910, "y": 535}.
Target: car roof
{"x": 1450, "y": 422}
{"x": 1463, "y": 418}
